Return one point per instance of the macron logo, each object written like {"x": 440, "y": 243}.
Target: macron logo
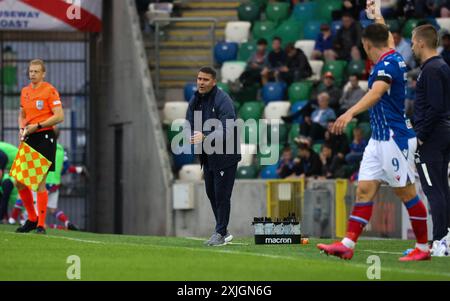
{"x": 278, "y": 240}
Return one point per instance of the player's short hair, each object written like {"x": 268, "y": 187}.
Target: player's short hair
{"x": 208, "y": 70}
{"x": 377, "y": 34}
{"x": 428, "y": 34}
{"x": 38, "y": 62}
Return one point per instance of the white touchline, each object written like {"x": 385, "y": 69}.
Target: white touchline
{"x": 425, "y": 172}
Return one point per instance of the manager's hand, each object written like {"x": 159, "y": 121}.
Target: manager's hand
{"x": 197, "y": 137}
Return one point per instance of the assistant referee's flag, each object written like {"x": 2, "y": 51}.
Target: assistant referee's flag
{"x": 29, "y": 167}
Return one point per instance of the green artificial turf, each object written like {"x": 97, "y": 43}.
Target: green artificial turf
{"x": 123, "y": 257}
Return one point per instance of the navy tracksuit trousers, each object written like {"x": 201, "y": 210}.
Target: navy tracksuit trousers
{"x": 219, "y": 186}
{"x": 432, "y": 160}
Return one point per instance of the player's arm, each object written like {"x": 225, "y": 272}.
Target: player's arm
{"x": 378, "y": 18}
{"x": 369, "y": 100}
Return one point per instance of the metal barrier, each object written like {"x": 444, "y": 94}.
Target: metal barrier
{"x": 285, "y": 197}
{"x": 157, "y": 21}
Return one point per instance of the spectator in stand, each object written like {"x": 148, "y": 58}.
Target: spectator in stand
{"x": 438, "y": 8}
{"x": 255, "y": 65}
{"x": 328, "y": 85}
{"x": 445, "y": 53}
{"x": 410, "y": 96}
{"x": 285, "y": 166}
{"x": 411, "y": 9}
{"x": 351, "y": 96}
{"x": 297, "y": 66}
{"x": 356, "y": 147}
{"x": 276, "y": 60}
{"x": 404, "y": 48}
{"x": 352, "y": 7}
{"x": 347, "y": 37}
{"x": 356, "y": 58}
{"x": 326, "y": 157}
{"x": 339, "y": 146}
{"x": 323, "y": 49}
{"x": 315, "y": 125}
{"x": 331, "y": 164}
{"x": 307, "y": 163}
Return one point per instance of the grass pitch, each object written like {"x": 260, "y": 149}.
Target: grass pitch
{"x": 122, "y": 257}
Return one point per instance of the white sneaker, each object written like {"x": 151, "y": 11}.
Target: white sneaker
{"x": 228, "y": 237}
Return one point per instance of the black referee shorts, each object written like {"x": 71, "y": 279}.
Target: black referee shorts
{"x": 44, "y": 143}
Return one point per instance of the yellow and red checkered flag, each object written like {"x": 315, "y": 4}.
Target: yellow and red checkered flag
{"x": 29, "y": 167}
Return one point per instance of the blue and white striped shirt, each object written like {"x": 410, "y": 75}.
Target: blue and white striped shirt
{"x": 389, "y": 113}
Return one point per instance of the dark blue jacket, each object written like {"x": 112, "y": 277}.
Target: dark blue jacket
{"x": 216, "y": 105}
{"x": 432, "y": 104}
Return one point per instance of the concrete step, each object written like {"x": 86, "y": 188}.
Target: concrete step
{"x": 183, "y": 52}
{"x": 172, "y": 84}
{"x": 192, "y": 35}
{"x": 187, "y": 75}
{"x": 181, "y": 64}
{"x": 222, "y": 15}
{"x": 210, "y": 4}
{"x": 197, "y": 25}
{"x": 185, "y": 44}
{"x": 186, "y": 54}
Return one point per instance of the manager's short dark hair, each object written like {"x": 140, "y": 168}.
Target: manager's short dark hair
{"x": 376, "y": 33}
{"x": 208, "y": 70}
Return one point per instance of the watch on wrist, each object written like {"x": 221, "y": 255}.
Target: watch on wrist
{"x": 39, "y": 126}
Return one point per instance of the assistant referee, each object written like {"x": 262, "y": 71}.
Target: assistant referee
{"x": 40, "y": 111}
{"x": 432, "y": 125}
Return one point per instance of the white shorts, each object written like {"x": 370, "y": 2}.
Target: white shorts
{"x": 52, "y": 199}
{"x": 384, "y": 161}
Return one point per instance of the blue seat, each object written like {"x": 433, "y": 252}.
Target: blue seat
{"x": 304, "y": 11}
{"x": 225, "y": 51}
{"x": 335, "y": 26}
{"x": 312, "y": 29}
{"x": 296, "y": 106}
{"x": 269, "y": 172}
{"x": 273, "y": 91}
{"x": 189, "y": 90}
{"x": 185, "y": 157}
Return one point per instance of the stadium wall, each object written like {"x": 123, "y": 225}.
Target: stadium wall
{"x": 249, "y": 200}
{"x": 131, "y": 175}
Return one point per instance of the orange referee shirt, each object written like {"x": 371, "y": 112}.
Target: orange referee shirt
{"x": 38, "y": 103}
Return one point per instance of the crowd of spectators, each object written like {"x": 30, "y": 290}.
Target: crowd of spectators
{"x": 339, "y": 156}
